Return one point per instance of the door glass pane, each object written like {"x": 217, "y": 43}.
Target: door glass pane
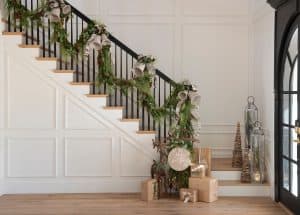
{"x": 294, "y": 188}
{"x": 294, "y": 145}
{"x": 285, "y": 109}
{"x": 294, "y": 109}
{"x": 285, "y": 141}
{"x": 294, "y": 81}
{"x": 286, "y": 75}
{"x": 293, "y": 47}
{"x": 285, "y": 168}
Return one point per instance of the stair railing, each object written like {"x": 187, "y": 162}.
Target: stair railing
{"x": 86, "y": 69}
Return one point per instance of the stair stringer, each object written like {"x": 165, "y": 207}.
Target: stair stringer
{"x": 124, "y": 132}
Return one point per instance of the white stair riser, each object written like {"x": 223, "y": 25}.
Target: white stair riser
{"x": 97, "y": 102}
{"x": 32, "y": 52}
{"x": 244, "y": 190}
{"x": 65, "y": 77}
{"x": 227, "y": 175}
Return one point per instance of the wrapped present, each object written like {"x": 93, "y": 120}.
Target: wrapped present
{"x": 149, "y": 190}
{"x": 203, "y": 155}
{"x": 188, "y": 195}
{"x": 207, "y": 188}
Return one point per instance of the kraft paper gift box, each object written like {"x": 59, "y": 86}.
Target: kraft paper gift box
{"x": 207, "y": 188}
{"x": 191, "y": 195}
{"x": 149, "y": 190}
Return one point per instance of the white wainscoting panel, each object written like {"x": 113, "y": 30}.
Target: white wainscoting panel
{"x": 31, "y": 101}
{"x": 31, "y": 157}
{"x": 88, "y": 157}
{"x": 134, "y": 166}
{"x": 76, "y": 117}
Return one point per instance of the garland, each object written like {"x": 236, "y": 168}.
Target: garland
{"x": 182, "y": 103}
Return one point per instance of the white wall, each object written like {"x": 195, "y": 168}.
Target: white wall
{"x": 204, "y": 41}
{"x": 263, "y": 67}
{"x": 1, "y": 114}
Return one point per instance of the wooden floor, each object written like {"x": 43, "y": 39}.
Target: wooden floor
{"x": 129, "y": 204}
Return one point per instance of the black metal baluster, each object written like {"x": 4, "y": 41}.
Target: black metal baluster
{"x": 121, "y": 75}
{"x": 127, "y": 79}
{"x": 154, "y": 96}
{"x": 94, "y": 72}
{"x": 65, "y": 57}
{"x": 165, "y": 118}
{"x": 82, "y": 60}
{"x": 37, "y": 26}
{"x": 49, "y": 36}
{"x": 31, "y": 21}
{"x": 77, "y": 57}
{"x": 72, "y": 41}
{"x": 116, "y": 74}
{"x": 44, "y": 42}
{"x": 132, "y": 94}
{"x": 26, "y": 32}
{"x": 159, "y": 126}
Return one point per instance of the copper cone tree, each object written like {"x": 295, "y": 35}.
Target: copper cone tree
{"x": 246, "y": 176}
{"x": 237, "y": 158}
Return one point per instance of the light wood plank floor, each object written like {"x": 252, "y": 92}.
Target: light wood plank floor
{"x": 129, "y": 204}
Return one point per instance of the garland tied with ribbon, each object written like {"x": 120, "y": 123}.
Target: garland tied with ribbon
{"x": 181, "y": 103}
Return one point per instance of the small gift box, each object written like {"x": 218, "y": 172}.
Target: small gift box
{"x": 149, "y": 190}
{"x": 188, "y": 195}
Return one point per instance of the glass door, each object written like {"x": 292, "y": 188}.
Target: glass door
{"x": 290, "y": 109}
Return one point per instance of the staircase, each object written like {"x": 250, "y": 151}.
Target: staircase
{"x": 119, "y": 111}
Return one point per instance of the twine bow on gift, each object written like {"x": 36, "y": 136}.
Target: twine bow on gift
{"x": 144, "y": 64}
{"x": 194, "y": 98}
{"x": 57, "y": 8}
{"x": 97, "y": 42}
{"x": 187, "y": 196}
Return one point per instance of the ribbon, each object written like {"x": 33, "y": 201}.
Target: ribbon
{"x": 195, "y": 99}
{"x": 97, "y": 42}
{"x": 144, "y": 64}
{"x": 187, "y": 196}
{"x": 57, "y": 7}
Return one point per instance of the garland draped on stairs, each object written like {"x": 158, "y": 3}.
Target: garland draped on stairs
{"x": 182, "y": 104}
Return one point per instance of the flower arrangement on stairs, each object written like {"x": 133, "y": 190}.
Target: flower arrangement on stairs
{"x": 182, "y": 104}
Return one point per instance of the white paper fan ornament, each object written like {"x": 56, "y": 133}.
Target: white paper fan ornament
{"x": 179, "y": 159}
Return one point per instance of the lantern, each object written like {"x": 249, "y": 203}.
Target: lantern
{"x": 251, "y": 116}
{"x": 257, "y": 153}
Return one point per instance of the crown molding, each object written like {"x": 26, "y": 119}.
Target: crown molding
{"x": 276, "y": 3}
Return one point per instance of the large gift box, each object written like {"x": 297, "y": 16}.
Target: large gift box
{"x": 207, "y": 188}
{"x": 149, "y": 190}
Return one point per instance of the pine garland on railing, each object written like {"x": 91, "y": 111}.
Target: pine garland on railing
{"x": 181, "y": 103}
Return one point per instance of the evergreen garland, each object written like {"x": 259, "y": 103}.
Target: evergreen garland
{"x": 179, "y": 136}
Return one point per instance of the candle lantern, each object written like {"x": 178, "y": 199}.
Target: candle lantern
{"x": 257, "y": 153}
{"x": 251, "y": 116}
{"x": 199, "y": 170}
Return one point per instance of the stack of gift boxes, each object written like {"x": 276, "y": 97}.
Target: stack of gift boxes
{"x": 202, "y": 187}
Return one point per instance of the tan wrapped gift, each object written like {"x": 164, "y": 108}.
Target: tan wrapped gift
{"x": 149, "y": 190}
{"x": 188, "y": 195}
{"x": 207, "y": 188}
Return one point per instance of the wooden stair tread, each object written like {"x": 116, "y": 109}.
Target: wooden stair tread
{"x": 46, "y": 58}
{"x": 63, "y": 71}
{"x": 146, "y": 132}
{"x": 129, "y": 120}
{"x": 113, "y": 107}
{"x": 29, "y": 46}
{"x": 12, "y": 33}
{"x": 239, "y": 183}
{"x": 223, "y": 164}
{"x": 80, "y": 83}
{"x": 97, "y": 95}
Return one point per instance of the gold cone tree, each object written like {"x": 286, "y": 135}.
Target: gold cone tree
{"x": 237, "y": 158}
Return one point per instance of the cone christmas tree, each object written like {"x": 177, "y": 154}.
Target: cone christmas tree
{"x": 237, "y": 158}
{"x": 246, "y": 176}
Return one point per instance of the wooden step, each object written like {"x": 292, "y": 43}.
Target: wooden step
{"x": 225, "y": 183}
{"x": 97, "y": 95}
{"x": 113, "y": 108}
{"x": 81, "y": 83}
{"x": 12, "y": 33}
{"x": 29, "y": 46}
{"x": 223, "y": 164}
{"x": 4, "y": 20}
{"x": 129, "y": 120}
{"x": 63, "y": 71}
{"x": 146, "y": 132}
{"x": 46, "y": 58}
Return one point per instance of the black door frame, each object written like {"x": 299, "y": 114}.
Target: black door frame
{"x": 286, "y": 13}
